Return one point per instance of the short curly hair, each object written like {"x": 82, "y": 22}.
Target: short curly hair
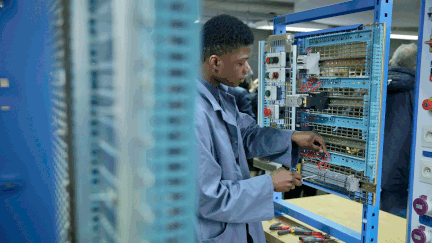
{"x": 223, "y": 34}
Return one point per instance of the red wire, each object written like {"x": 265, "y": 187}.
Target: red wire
{"x": 307, "y": 86}
{"x": 315, "y": 155}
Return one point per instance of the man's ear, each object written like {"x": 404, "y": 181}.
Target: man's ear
{"x": 214, "y": 62}
{"x": 389, "y": 62}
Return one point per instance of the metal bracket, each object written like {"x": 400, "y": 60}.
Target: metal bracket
{"x": 274, "y": 40}
{"x": 368, "y": 187}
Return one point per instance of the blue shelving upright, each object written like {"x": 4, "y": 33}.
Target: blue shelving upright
{"x": 29, "y": 180}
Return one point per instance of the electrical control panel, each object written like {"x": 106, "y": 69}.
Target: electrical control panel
{"x": 333, "y": 84}
{"x": 420, "y": 190}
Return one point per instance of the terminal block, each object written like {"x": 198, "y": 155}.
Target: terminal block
{"x": 309, "y": 63}
{"x": 349, "y": 182}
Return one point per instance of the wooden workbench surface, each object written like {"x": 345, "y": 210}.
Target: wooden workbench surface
{"x": 391, "y": 229}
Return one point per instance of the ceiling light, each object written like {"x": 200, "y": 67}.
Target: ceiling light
{"x": 403, "y": 37}
{"x": 299, "y": 29}
{"x": 288, "y": 28}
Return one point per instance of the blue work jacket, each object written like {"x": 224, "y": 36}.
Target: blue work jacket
{"x": 228, "y": 197}
{"x": 397, "y": 141}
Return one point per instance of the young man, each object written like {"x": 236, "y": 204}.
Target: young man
{"x": 231, "y": 204}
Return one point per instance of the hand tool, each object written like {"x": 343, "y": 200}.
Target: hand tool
{"x": 295, "y": 231}
{"x": 316, "y": 238}
{"x": 308, "y": 177}
{"x": 313, "y": 240}
{"x": 277, "y": 226}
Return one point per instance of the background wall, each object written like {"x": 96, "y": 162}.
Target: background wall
{"x": 260, "y": 35}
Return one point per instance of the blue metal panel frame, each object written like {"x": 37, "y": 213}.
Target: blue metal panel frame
{"x": 334, "y": 10}
{"x": 27, "y": 168}
{"x": 327, "y": 31}
{"x": 383, "y": 14}
{"x": 414, "y": 132}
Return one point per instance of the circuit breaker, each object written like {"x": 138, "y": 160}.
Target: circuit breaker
{"x": 420, "y": 191}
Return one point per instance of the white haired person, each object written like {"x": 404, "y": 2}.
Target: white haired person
{"x": 398, "y": 130}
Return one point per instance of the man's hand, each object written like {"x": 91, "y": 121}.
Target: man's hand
{"x": 310, "y": 140}
{"x": 285, "y": 180}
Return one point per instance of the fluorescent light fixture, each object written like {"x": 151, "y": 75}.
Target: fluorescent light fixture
{"x": 403, "y": 37}
{"x": 288, "y": 28}
{"x": 196, "y": 21}
{"x": 299, "y": 29}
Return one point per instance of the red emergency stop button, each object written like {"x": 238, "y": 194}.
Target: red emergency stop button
{"x": 267, "y": 112}
{"x": 275, "y": 75}
{"x": 427, "y": 104}
{"x": 268, "y": 60}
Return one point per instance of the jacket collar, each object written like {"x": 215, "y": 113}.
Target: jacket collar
{"x": 402, "y": 70}
{"x": 214, "y": 94}
{"x": 209, "y": 92}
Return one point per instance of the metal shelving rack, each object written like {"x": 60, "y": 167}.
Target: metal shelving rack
{"x": 133, "y": 91}
{"x": 382, "y": 14}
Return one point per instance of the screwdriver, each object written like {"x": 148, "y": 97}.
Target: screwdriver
{"x": 313, "y": 240}
{"x": 308, "y": 177}
{"x": 318, "y": 235}
{"x": 276, "y": 226}
{"x": 296, "y": 231}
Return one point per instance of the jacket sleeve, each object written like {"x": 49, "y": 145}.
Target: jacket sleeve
{"x": 267, "y": 142}
{"x": 227, "y": 201}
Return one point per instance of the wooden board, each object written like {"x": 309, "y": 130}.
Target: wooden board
{"x": 391, "y": 229}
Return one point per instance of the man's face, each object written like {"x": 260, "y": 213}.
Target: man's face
{"x": 233, "y": 67}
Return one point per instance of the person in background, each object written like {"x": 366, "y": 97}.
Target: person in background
{"x": 241, "y": 97}
{"x": 253, "y": 96}
{"x": 231, "y": 204}
{"x": 398, "y": 130}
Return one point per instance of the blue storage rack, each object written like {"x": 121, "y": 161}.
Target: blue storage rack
{"x": 373, "y": 124}
{"x": 133, "y": 88}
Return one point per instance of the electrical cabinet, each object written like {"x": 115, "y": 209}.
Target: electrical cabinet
{"x": 335, "y": 84}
